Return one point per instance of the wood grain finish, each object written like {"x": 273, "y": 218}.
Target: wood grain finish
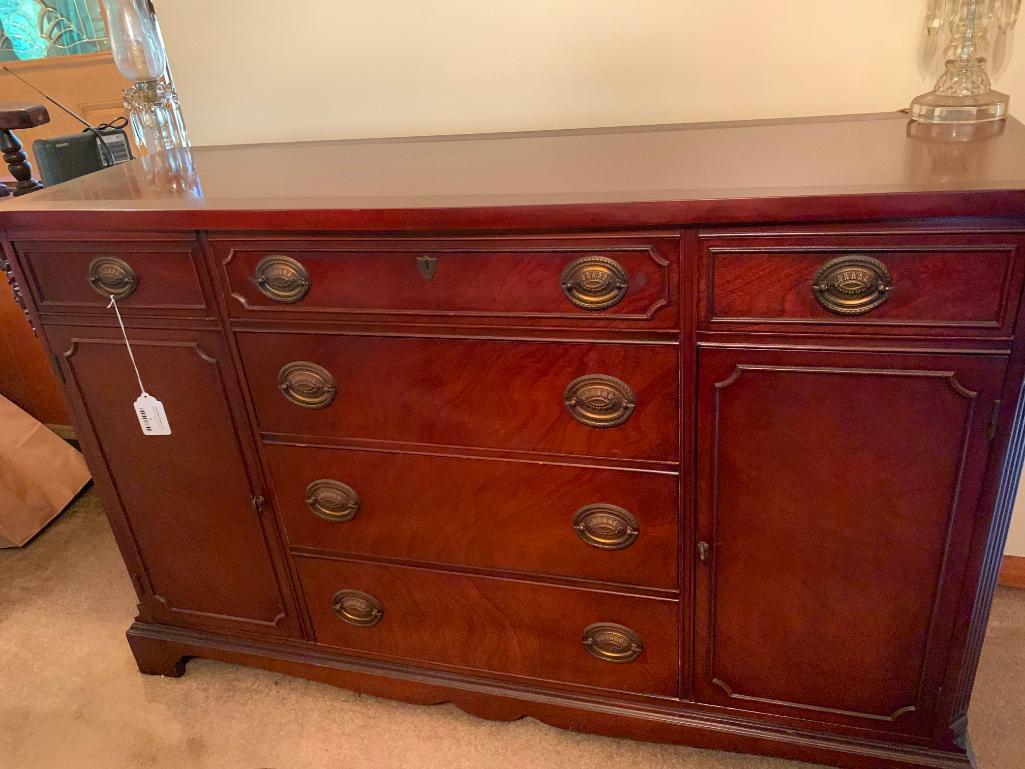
{"x": 520, "y": 279}
{"x": 843, "y": 168}
{"x": 509, "y": 395}
{"x": 491, "y": 514}
{"x": 167, "y": 271}
{"x": 810, "y": 507}
{"x": 494, "y": 625}
{"x": 22, "y": 114}
{"x": 1012, "y": 571}
{"x": 26, "y": 373}
{"x": 806, "y": 482}
{"x": 200, "y": 570}
{"x": 942, "y": 283}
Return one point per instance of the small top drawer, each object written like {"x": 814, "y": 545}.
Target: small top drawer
{"x": 861, "y": 282}
{"x": 617, "y": 281}
{"x": 148, "y": 277}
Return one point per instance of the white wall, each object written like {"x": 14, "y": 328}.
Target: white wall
{"x": 268, "y": 71}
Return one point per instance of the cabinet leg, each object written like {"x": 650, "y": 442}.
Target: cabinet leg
{"x": 156, "y": 657}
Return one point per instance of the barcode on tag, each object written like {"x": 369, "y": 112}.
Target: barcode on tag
{"x": 152, "y": 417}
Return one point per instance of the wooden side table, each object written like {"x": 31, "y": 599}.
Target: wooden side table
{"x": 17, "y": 115}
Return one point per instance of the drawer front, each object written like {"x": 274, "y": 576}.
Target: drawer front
{"x": 594, "y": 523}
{"x": 157, "y": 277}
{"x": 862, "y": 282}
{"x": 494, "y": 625}
{"x": 512, "y": 395}
{"x": 625, "y": 281}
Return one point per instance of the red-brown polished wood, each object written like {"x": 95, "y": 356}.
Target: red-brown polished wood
{"x": 22, "y": 114}
{"x": 1012, "y": 571}
{"x": 26, "y": 376}
{"x": 508, "y": 395}
{"x": 853, "y": 167}
{"x": 58, "y": 277}
{"x": 943, "y": 282}
{"x": 472, "y": 280}
{"x": 821, "y": 496}
{"x": 187, "y": 498}
{"x": 495, "y": 625}
{"x": 847, "y": 481}
{"x": 498, "y": 513}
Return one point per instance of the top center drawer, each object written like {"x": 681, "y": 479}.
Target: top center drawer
{"x": 616, "y": 281}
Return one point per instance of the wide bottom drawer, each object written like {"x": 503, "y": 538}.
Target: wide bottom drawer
{"x": 488, "y": 624}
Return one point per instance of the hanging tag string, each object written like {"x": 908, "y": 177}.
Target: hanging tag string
{"x": 113, "y": 303}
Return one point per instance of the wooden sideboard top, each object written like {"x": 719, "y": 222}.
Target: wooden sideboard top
{"x": 858, "y": 167}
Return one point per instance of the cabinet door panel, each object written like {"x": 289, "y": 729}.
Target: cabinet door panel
{"x": 183, "y": 501}
{"x": 837, "y": 492}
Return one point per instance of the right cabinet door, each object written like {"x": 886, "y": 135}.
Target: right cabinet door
{"x": 836, "y": 496}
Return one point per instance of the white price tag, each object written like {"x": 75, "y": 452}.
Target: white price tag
{"x": 152, "y": 417}
{"x": 150, "y": 411}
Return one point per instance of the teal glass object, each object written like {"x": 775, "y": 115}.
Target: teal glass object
{"x": 38, "y": 29}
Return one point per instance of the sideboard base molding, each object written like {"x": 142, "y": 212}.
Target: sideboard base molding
{"x": 165, "y": 650}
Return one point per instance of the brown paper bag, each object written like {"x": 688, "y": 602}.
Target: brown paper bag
{"x": 39, "y": 474}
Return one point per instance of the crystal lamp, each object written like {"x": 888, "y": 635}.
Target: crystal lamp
{"x": 151, "y": 101}
{"x": 963, "y": 93}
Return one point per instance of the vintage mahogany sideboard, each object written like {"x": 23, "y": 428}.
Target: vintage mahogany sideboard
{"x": 703, "y": 434}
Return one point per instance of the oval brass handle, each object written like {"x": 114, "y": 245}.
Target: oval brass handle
{"x": 611, "y": 642}
{"x": 307, "y": 384}
{"x": 852, "y": 285}
{"x": 606, "y": 527}
{"x": 112, "y": 277}
{"x": 332, "y": 500}
{"x": 282, "y": 278}
{"x": 598, "y": 400}
{"x": 357, "y": 608}
{"x": 595, "y": 282}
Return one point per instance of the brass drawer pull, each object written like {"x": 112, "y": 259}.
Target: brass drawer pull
{"x": 597, "y": 400}
{"x": 282, "y": 278}
{"x": 112, "y": 277}
{"x": 307, "y": 384}
{"x": 357, "y": 608}
{"x": 595, "y": 282}
{"x": 332, "y": 500}
{"x": 606, "y": 527}
{"x": 612, "y": 643}
{"x": 852, "y": 285}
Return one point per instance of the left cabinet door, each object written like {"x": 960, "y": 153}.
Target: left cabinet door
{"x": 182, "y": 505}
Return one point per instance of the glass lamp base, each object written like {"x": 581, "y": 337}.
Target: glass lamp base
{"x": 155, "y": 116}
{"x": 934, "y": 108}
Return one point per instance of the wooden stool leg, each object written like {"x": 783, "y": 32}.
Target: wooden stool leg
{"x": 17, "y": 162}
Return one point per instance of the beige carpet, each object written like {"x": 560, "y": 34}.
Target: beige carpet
{"x": 71, "y": 698}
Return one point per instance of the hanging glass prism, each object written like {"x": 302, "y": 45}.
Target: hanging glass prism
{"x": 963, "y": 94}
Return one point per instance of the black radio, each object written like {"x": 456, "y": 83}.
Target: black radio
{"x": 65, "y": 157}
